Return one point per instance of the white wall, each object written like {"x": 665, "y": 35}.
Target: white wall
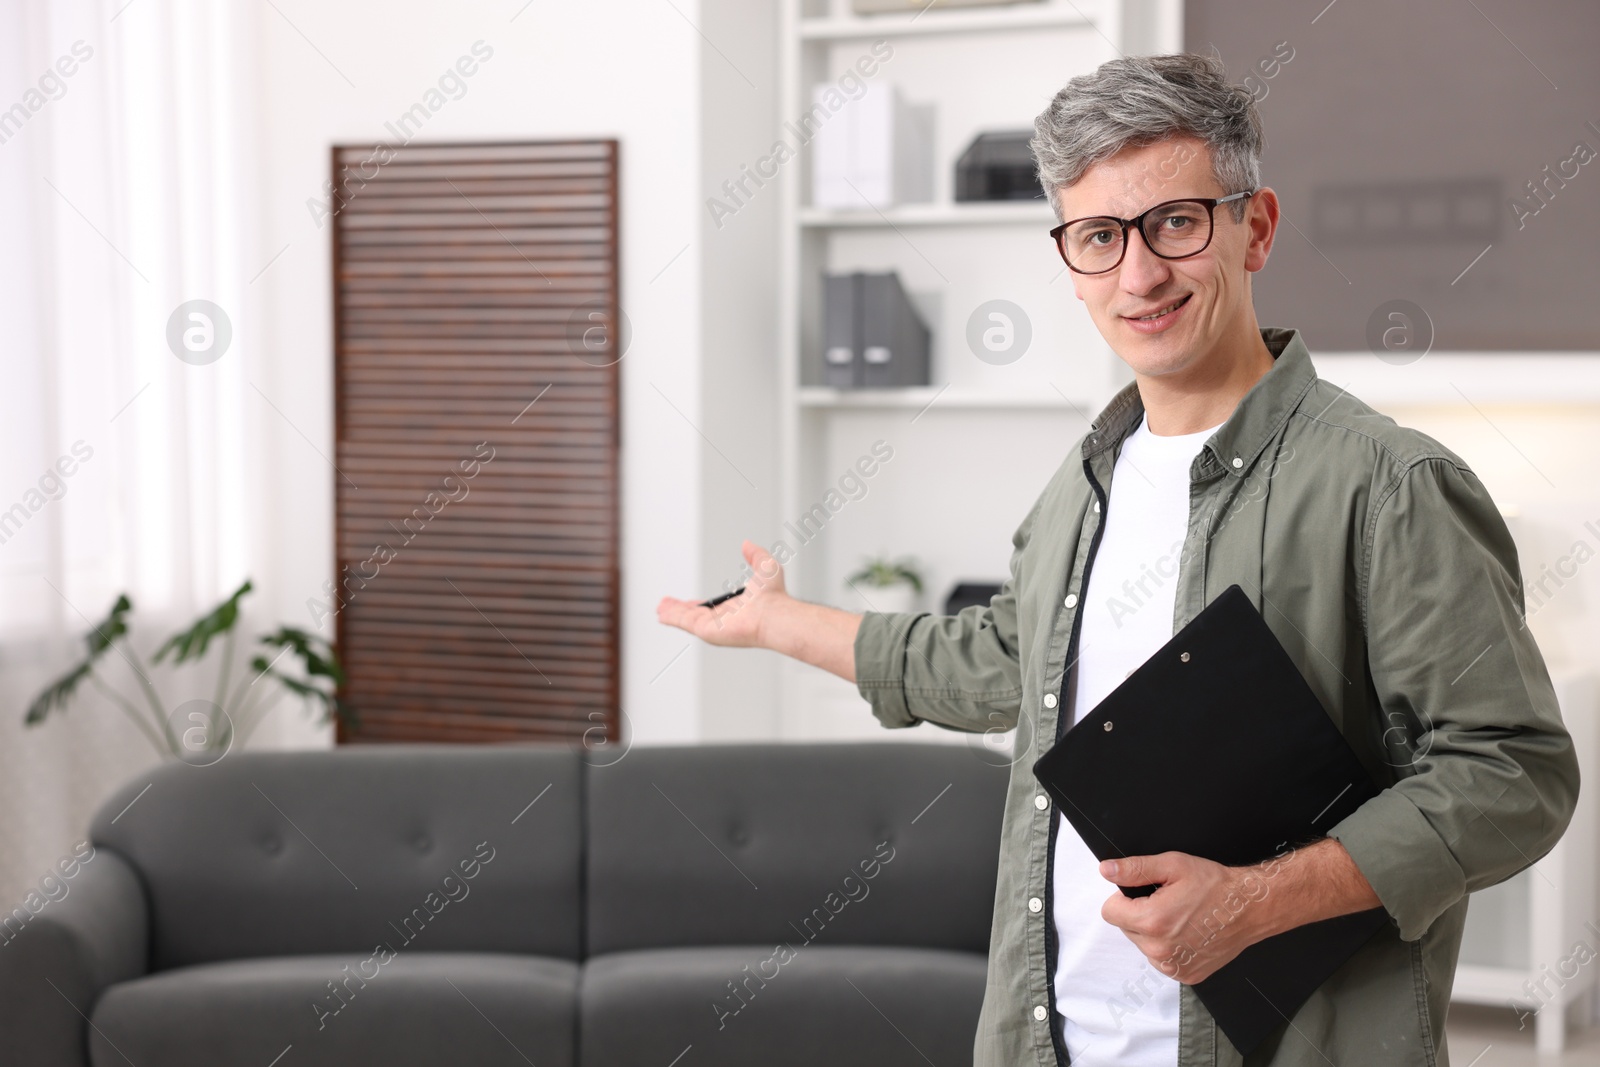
{"x": 627, "y": 69}
{"x": 739, "y": 361}
{"x": 1537, "y": 461}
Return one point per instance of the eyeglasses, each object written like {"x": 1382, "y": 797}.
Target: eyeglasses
{"x": 1176, "y": 229}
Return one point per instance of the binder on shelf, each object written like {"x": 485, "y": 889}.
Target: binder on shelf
{"x": 872, "y": 336}
{"x": 1216, "y": 746}
{"x": 840, "y": 353}
{"x": 894, "y": 341}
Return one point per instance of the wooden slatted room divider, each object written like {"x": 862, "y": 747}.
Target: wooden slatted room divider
{"x": 475, "y": 288}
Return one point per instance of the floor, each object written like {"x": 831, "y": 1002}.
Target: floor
{"x": 1481, "y": 1036}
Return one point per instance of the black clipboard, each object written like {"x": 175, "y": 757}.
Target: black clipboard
{"x": 1216, "y": 746}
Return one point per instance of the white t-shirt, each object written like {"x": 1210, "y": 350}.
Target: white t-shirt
{"x": 1117, "y": 1007}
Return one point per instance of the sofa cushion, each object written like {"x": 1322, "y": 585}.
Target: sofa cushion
{"x": 886, "y": 843}
{"x": 290, "y": 853}
{"x": 815, "y": 1004}
{"x": 418, "y": 1008}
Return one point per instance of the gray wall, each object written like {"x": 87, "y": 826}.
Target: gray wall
{"x": 1399, "y": 137}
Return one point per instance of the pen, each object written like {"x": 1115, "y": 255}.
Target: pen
{"x": 714, "y": 601}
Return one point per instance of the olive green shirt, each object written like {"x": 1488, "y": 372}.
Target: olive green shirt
{"x": 1384, "y": 568}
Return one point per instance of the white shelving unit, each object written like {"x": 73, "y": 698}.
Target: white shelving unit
{"x": 985, "y": 436}
{"x": 1523, "y": 930}
{"x": 968, "y": 214}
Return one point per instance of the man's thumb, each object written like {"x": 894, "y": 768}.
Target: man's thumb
{"x": 760, "y": 560}
{"x": 1131, "y": 870}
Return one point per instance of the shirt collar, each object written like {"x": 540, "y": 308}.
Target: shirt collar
{"x": 1255, "y": 420}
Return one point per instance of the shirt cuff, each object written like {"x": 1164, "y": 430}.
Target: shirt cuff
{"x": 880, "y": 655}
{"x": 1403, "y": 858}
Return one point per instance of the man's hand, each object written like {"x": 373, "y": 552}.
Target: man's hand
{"x": 737, "y": 621}
{"x": 766, "y": 616}
{"x": 1200, "y": 918}
{"x": 1204, "y": 914}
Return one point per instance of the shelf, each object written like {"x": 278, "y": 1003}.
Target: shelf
{"x": 1016, "y": 212}
{"x": 1478, "y": 984}
{"x": 1459, "y": 378}
{"x": 917, "y": 397}
{"x": 925, "y": 23}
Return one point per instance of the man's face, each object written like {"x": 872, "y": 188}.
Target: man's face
{"x": 1213, "y": 286}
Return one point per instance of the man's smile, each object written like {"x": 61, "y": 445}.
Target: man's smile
{"x": 1158, "y": 318}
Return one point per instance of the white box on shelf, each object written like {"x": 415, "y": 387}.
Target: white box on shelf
{"x": 875, "y": 150}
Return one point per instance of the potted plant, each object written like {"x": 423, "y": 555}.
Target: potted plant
{"x": 888, "y": 585}
{"x": 202, "y": 731}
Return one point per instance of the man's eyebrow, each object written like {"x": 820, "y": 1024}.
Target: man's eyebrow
{"x": 1143, "y": 208}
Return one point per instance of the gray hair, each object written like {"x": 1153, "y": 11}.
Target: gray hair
{"x": 1134, "y": 101}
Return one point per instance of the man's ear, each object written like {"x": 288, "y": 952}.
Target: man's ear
{"x": 1262, "y": 220}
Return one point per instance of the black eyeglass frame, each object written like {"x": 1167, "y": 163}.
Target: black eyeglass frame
{"x": 1210, "y": 202}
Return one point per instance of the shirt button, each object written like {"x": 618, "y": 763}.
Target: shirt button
{"x": 1097, "y": 505}
{"x": 1035, "y": 905}
{"x": 1041, "y": 802}
{"x": 1039, "y": 1012}
{"x": 1237, "y": 462}
{"x": 1049, "y": 700}
{"x": 1072, "y": 600}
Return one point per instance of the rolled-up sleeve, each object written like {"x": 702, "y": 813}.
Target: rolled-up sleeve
{"x": 1489, "y": 780}
{"x": 960, "y": 672}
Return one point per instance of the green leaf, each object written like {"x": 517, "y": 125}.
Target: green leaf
{"x": 319, "y": 661}
{"x": 316, "y": 655}
{"x": 192, "y": 643}
{"x": 57, "y": 695}
{"x": 345, "y": 712}
{"x": 110, "y": 628}
{"x": 99, "y": 641}
{"x": 880, "y": 571}
{"x": 296, "y": 686}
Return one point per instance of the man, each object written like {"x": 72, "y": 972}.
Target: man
{"x": 1373, "y": 551}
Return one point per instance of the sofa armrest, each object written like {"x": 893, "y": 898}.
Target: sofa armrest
{"x": 55, "y": 964}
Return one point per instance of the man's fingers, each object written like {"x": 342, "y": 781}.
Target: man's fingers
{"x": 679, "y": 613}
{"x": 708, "y": 624}
{"x": 670, "y": 611}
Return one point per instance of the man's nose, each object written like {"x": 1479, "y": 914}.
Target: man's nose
{"x": 1140, "y": 266}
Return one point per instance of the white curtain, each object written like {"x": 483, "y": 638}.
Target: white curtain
{"x": 125, "y": 186}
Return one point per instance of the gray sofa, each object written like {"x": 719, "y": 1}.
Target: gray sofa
{"x": 729, "y": 904}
